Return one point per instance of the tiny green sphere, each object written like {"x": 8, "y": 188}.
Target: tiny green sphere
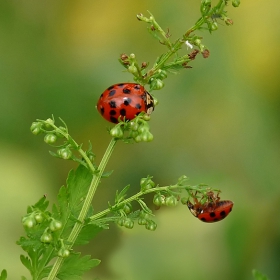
{"x": 129, "y": 223}
{"x": 151, "y": 225}
{"x": 171, "y": 201}
{"x": 55, "y": 225}
{"x": 29, "y": 221}
{"x": 64, "y": 153}
{"x": 46, "y": 237}
{"x": 50, "y": 138}
{"x": 63, "y": 253}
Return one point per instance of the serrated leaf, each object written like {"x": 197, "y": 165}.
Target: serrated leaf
{"x": 63, "y": 203}
{"x": 30, "y": 245}
{"x": 26, "y": 262}
{"x": 42, "y": 204}
{"x": 259, "y": 276}
{"x": 87, "y": 233}
{"x": 75, "y": 266}
{"x": 78, "y": 184}
{"x": 3, "y": 275}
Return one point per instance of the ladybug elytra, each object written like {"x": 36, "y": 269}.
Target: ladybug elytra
{"x": 213, "y": 210}
{"x": 124, "y": 101}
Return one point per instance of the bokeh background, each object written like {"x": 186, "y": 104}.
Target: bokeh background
{"x": 217, "y": 123}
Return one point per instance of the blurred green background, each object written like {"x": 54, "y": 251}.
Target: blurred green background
{"x": 217, "y": 123}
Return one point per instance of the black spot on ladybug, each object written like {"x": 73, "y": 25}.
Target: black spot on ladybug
{"x": 101, "y": 95}
{"x": 109, "y": 88}
{"x": 212, "y": 214}
{"x": 203, "y": 219}
{"x": 112, "y": 112}
{"x": 126, "y": 90}
{"x": 138, "y": 106}
{"x": 113, "y": 120}
{"x": 230, "y": 209}
{"x": 137, "y": 87}
{"x": 120, "y": 85}
{"x": 113, "y": 104}
{"x": 223, "y": 213}
{"x": 126, "y": 101}
{"x": 123, "y": 112}
{"x": 112, "y": 92}
{"x": 102, "y": 110}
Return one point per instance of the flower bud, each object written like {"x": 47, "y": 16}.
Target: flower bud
{"x": 36, "y": 128}
{"x": 132, "y": 69}
{"x": 116, "y": 132}
{"x": 50, "y": 138}
{"x": 235, "y": 3}
{"x": 64, "y": 153}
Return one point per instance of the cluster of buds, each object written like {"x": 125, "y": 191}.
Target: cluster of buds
{"x": 138, "y": 129}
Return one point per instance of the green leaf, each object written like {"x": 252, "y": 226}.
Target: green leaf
{"x": 87, "y": 233}
{"x": 78, "y": 183}
{"x": 259, "y": 276}
{"x": 42, "y": 204}
{"x": 26, "y": 262}
{"x": 107, "y": 174}
{"x": 3, "y": 275}
{"x": 121, "y": 196}
{"x": 75, "y": 266}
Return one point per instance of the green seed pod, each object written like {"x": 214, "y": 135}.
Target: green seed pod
{"x": 46, "y": 237}
{"x": 157, "y": 84}
{"x": 142, "y": 221}
{"x": 159, "y": 199}
{"x": 127, "y": 208}
{"x": 39, "y": 218}
{"x": 147, "y": 136}
{"x": 116, "y": 132}
{"x": 64, "y": 153}
{"x": 29, "y": 221}
{"x": 151, "y": 225}
{"x": 121, "y": 221}
{"x": 129, "y": 223}
{"x": 55, "y": 225}
{"x": 50, "y": 138}
{"x": 235, "y": 3}
{"x": 146, "y": 184}
{"x": 132, "y": 69}
{"x": 171, "y": 201}
{"x": 36, "y": 128}
{"x": 214, "y": 26}
{"x": 63, "y": 253}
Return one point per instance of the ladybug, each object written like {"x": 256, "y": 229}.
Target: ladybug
{"x": 124, "y": 101}
{"x": 212, "y": 210}
{"x": 211, "y": 213}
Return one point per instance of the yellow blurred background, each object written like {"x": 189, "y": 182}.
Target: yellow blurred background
{"x": 217, "y": 123}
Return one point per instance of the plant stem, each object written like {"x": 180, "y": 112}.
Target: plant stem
{"x": 135, "y": 197}
{"x": 92, "y": 189}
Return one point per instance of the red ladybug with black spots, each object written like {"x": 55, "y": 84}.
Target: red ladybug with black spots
{"x": 124, "y": 101}
{"x": 213, "y": 210}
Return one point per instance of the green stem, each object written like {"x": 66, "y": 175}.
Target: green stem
{"x": 174, "y": 49}
{"x": 134, "y": 197}
{"x": 92, "y": 189}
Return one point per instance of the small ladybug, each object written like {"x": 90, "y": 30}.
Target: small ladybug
{"x": 213, "y": 210}
{"x": 124, "y": 101}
